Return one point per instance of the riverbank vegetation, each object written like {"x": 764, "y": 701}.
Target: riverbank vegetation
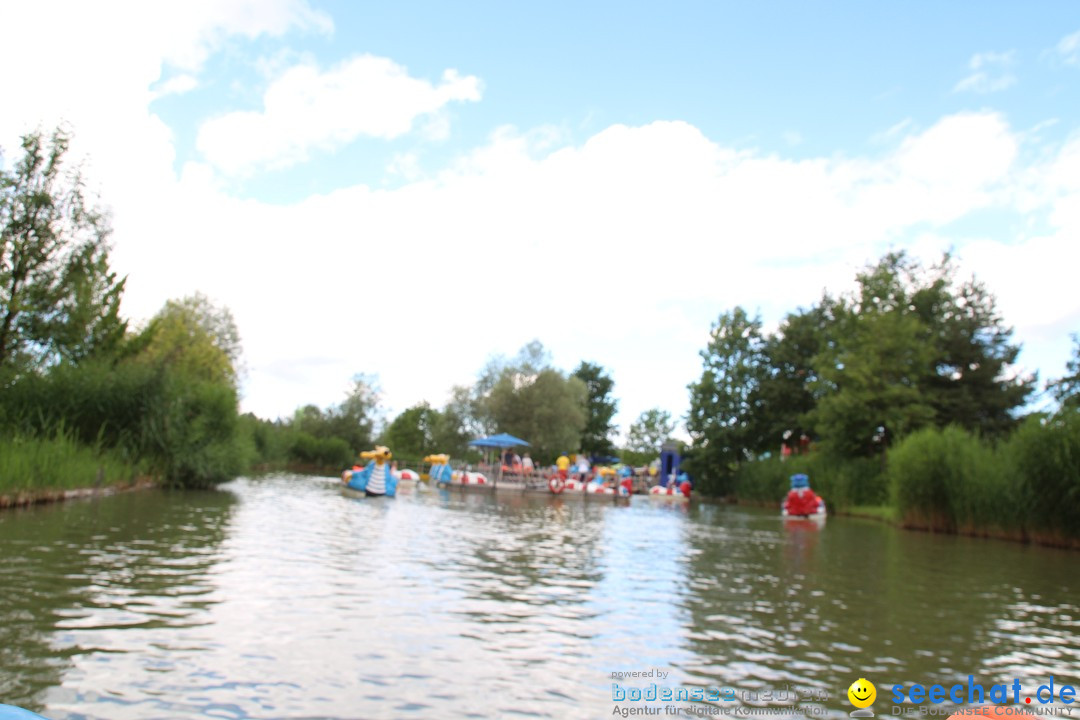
{"x": 901, "y": 396}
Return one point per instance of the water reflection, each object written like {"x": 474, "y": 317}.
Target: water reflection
{"x": 86, "y": 582}
{"x": 284, "y": 597}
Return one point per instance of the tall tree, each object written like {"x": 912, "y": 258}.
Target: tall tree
{"x": 58, "y": 298}
{"x": 785, "y": 395}
{"x": 968, "y": 378}
{"x": 647, "y": 434}
{"x": 600, "y": 408}
{"x": 528, "y": 398}
{"x": 869, "y": 384}
{"x": 724, "y": 404}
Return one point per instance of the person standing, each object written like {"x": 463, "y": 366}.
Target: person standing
{"x": 563, "y": 465}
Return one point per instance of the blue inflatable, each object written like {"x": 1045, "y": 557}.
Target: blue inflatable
{"x": 10, "y": 712}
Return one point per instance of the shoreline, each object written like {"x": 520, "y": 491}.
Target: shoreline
{"x": 887, "y": 515}
{"x": 29, "y": 498}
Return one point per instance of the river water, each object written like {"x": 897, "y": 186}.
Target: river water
{"x": 282, "y": 597}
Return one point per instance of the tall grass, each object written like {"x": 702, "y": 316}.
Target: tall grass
{"x": 949, "y": 480}
{"x": 1045, "y": 456}
{"x": 952, "y": 481}
{"x": 59, "y": 462}
{"x": 183, "y": 430}
{"x": 842, "y": 482}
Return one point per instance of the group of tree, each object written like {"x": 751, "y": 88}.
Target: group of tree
{"x": 525, "y": 396}
{"x": 162, "y": 396}
{"x": 913, "y": 346}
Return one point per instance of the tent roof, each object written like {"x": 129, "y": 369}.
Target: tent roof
{"x": 502, "y": 440}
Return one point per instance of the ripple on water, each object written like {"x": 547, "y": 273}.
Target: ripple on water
{"x": 282, "y": 597}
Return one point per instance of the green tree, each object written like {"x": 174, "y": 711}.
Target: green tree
{"x": 916, "y": 346}
{"x": 600, "y": 408}
{"x": 724, "y": 420}
{"x": 534, "y": 401}
{"x": 646, "y": 435}
{"x": 872, "y": 381}
{"x": 1066, "y": 390}
{"x": 411, "y": 435}
{"x": 352, "y": 421}
{"x": 785, "y": 395}
{"x": 58, "y": 298}
{"x": 195, "y": 337}
{"x": 970, "y": 381}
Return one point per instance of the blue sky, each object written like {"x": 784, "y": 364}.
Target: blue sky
{"x": 359, "y": 182}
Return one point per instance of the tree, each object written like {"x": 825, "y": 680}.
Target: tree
{"x": 871, "y": 384}
{"x": 194, "y": 336}
{"x": 600, "y": 408}
{"x": 1066, "y": 390}
{"x": 970, "y": 382}
{"x": 58, "y": 298}
{"x": 647, "y": 434}
{"x": 534, "y": 401}
{"x": 723, "y": 421}
{"x": 411, "y": 435}
{"x": 785, "y": 395}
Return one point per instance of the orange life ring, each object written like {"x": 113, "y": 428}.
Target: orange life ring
{"x": 555, "y": 484}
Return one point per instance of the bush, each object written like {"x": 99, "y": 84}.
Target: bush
{"x": 184, "y": 430}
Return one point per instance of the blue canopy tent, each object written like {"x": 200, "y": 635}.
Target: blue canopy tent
{"x": 502, "y": 440}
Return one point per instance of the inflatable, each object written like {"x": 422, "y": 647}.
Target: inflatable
{"x": 801, "y": 501}
{"x": 440, "y": 472}
{"x": 468, "y": 478}
{"x": 11, "y": 712}
{"x": 677, "y": 488}
{"x": 375, "y": 480}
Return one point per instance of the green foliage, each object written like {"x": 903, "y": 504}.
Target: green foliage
{"x": 1066, "y": 390}
{"x": 872, "y": 381}
{"x": 600, "y": 408}
{"x": 411, "y": 435}
{"x": 723, "y": 404}
{"x": 182, "y": 430}
{"x": 646, "y": 436}
{"x": 59, "y": 461}
{"x": 528, "y": 398}
{"x": 322, "y": 452}
{"x": 58, "y": 298}
{"x": 193, "y": 337}
{"x": 1045, "y": 458}
{"x": 842, "y": 482}
{"x": 951, "y": 480}
{"x": 785, "y": 394}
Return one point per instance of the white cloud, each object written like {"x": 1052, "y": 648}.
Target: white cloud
{"x": 1068, "y": 49}
{"x": 306, "y": 108}
{"x": 619, "y": 250}
{"x": 176, "y": 85}
{"x": 990, "y": 72}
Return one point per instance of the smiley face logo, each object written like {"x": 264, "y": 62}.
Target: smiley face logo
{"x": 862, "y": 693}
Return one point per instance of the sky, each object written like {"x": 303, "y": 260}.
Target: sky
{"x": 403, "y": 190}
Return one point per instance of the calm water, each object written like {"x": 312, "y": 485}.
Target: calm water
{"x": 283, "y": 598}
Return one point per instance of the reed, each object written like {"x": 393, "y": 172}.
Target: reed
{"x": 59, "y": 462}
